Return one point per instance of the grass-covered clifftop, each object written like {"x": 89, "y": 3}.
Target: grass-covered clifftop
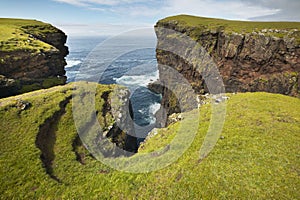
{"x": 258, "y": 157}
{"x": 19, "y": 35}
{"x": 32, "y": 56}
{"x": 200, "y": 24}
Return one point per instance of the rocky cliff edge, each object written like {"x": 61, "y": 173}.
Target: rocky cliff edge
{"x": 250, "y": 56}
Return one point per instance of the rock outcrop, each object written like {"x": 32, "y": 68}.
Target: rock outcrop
{"x": 32, "y": 56}
{"x": 250, "y": 56}
{"x": 107, "y": 131}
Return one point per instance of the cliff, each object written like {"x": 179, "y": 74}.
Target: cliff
{"x": 43, "y": 119}
{"x": 42, "y": 156}
{"x": 250, "y": 56}
{"x": 32, "y": 56}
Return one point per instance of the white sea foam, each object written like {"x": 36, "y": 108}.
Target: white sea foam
{"x": 142, "y": 111}
{"x": 137, "y": 80}
{"x": 152, "y": 110}
{"x": 71, "y": 63}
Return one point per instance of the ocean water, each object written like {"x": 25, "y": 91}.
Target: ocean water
{"x": 126, "y": 60}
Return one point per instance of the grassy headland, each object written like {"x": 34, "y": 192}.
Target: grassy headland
{"x": 17, "y": 34}
{"x": 31, "y": 56}
{"x": 258, "y": 157}
{"x": 277, "y": 29}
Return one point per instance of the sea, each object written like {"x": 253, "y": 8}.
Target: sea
{"x": 128, "y": 60}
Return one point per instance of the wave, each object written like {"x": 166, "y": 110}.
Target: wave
{"x": 152, "y": 110}
{"x": 72, "y": 63}
{"x": 137, "y": 80}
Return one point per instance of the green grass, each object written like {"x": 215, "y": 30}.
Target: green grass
{"x": 257, "y": 159}
{"x": 202, "y": 24}
{"x": 16, "y": 35}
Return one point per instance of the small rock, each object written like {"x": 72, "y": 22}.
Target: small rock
{"x": 23, "y": 105}
{"x": 264, "y": 30}
{"x": 217, "y": 101}
{"x": 225, "y": 97}
{"x": 175, "y": 117}
{"x": 180, "y": 117}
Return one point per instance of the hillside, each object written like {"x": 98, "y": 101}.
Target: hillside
{"x": 256, "y": 158}
{"x": 32, "y": 56}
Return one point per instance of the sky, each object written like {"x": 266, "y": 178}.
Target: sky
{"x": 110, "y": 17}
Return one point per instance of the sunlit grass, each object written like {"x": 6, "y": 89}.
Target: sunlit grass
{"x": 20, "y": 35}
{"x": 202, "y": 24}
{"x": 258, "y": 158}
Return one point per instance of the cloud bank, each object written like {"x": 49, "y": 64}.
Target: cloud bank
{"x": 229, "y": 9}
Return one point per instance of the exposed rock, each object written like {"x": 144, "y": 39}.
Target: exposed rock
{"x": 155, "y": 87}
{"x": 247, "y": 61}
{"x": 123, "y": 113}
{"x": 23, "y": 105}
{"x": 7, "y": 86}
{"x": 118, "y": 134}
{"x": 175, "y": 117}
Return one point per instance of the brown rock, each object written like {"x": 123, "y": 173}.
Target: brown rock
{"x": 247, "y": 62}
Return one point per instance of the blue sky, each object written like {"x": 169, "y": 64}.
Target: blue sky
{"x": 109, "y": 17}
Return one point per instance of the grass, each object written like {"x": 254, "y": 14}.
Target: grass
{"x": 20, "y": 35}
{"x": 202, "y": 24}
{"x": 257, "y": 159}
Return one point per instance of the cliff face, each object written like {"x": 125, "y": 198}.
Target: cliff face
{"x": 104, "y": 123}
{"x": 42, "y": 163}
{"x": 32, "y": 56}
{"x": 250, "y": 56}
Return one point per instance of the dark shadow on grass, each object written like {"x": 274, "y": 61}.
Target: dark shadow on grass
{"x": 46, "y": 138}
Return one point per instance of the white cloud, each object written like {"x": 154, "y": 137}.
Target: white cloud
{"x": 99, "y": 2}
{"x": 99, "y": 29}
{"x": 72, "y": 2}
{"x": 233, "y": 9}
{"x": 289, "y": 10}
{"x": 211, "y": 8}
{"x": 138, "y": 12}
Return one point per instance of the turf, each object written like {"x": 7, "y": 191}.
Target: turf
{"x": 258, "y": 157}
{"x": 202, "y": 24}
{"x": 20, "y": 35}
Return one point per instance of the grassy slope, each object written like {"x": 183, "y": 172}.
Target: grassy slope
{"x": 257, "y": 159}
{"x": 14, "y": 35}
{"x": 201, "y": 23}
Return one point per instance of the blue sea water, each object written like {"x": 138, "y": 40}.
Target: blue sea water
{"x": 133, "y": 65}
